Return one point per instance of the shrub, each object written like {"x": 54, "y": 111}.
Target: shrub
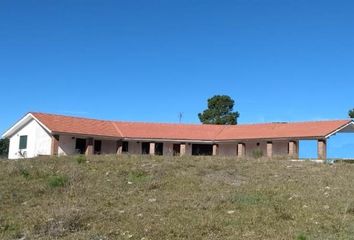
{"x": 81, "y": 159}
{"x": 57, "y": 181}
{"x": 301, "y": 237}
{"x": 138, "y": 176}
{"x": 257, "y": 153}
{"x": 24, "y": 172}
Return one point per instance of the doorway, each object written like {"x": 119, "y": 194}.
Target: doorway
{"x": 159, "y": 149}
{"x": 202, "y": 149}
{"x": 176, "y": 149}
{"x": 80, "y": 145}
{"x": 145, "y": 148}
{"x": 97, "y": 147}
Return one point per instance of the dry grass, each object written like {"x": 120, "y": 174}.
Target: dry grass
{"x": 135, "y": 197}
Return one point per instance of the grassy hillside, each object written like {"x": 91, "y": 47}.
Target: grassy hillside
{"x": 134, "y": 197}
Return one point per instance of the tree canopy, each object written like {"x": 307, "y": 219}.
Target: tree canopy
{"x": 351, "y": 113}
{"x": 4, "y": 147}
{"x": 219, "y": 111}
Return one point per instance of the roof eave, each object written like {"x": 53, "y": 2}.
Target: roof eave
{"x": 24, "y": 120}
{"x": 350, "y": 122}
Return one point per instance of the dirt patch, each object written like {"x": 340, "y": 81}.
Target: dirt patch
{"x": 224, "y": 177}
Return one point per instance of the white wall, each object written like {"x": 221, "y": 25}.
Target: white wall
{"x": 66, "y": 145}
{"x": 38, "y": 141}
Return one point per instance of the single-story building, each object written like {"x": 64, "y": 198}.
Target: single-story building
{"x": 49, "y": 134}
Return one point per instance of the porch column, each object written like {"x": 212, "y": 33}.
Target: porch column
{"x": 152, "y": 148}
{"x": 293, "y": 149}
{"x": 215, "y": 149}
{"x": 55, "y": 145}
{"x": 182, "y": 149}
{"x": 119, "y": 147}
{"x": 89, "y": 146}
{"x": 270, "y": 149}
{"x": 241, "y": 150}
{"x": 322, "y": 149}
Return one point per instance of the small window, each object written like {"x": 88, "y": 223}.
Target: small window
{"x": 125, "y": 148}
{"x": 23, "y": 142}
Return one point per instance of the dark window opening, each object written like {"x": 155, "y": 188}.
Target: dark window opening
{"x": 145, "y": 148}
{"x": 23, "y": 142}
{"x": 125, "y": 147}
{"x": 80, "y": 145}
{"x": 159, "y": 149}
{"x": 258, "y": 144}
{"x": 202, "y": 149}
{"x": 98, "y": 147}
{"x": 176, "y": 149}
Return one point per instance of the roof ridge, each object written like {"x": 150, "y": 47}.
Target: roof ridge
{"x": 62, "y": 115}
{"x": 117, "y": 129}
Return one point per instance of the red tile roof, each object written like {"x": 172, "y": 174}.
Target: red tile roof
{"x": 137, "y": 130}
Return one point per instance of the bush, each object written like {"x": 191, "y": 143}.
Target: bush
{"x": 257, "y": 153}
{"x": 4, "y": 147}
{"x": 81, "y": 159}
{"x": 24, "y": 172}
{"x": 138, "y": 176}
{"x": 301, "y": 237}
{"x": 57, "y": 181}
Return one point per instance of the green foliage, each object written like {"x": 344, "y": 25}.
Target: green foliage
{"x": 247, "y": 199}
{"x": 138, "y": 176}
{"x": 351, "y": 113}
{"x": 257, "y": 153}
{"x": 220, "y": 111}
{"x": 57, "y": 181}
{"x": 301, "y": 237}
{"x": 81, "y": 159}
{"x": 4, "y": 147}
{"x": 24, "y": 172}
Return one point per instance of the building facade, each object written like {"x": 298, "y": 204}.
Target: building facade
{"x": 39, "y": 134}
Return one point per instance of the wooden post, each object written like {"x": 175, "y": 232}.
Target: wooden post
{"x": 293, "y": 149}
{"x": 119, "y": 147}
{"x": 182, "y": 149}
{"x": 215, "y": 149}
{"x": 55, "y": 145}
{"x": 241, "y": 150}
{"x": 89, "y": 146}
{"x": 269, "y": 149}
{"x": 322, "y": 149}
{"x": 152, "y": 148}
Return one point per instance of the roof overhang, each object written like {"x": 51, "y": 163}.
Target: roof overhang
{"x": 21, "y": 123}
{"x": 347, "y": 128}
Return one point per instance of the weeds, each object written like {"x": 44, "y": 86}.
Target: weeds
{"x": 136, "y": 197}
{"x": 24, "y": 172}
{"x": 57, "y": 181}
{"x": 81, "y": 159}
{"x": 257, "y": 153}
{"x": 138, "y": 176}
{"x": 301, "y": 237}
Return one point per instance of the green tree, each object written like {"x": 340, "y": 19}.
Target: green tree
{"x": 351, "y": 113}
{"x": 4, "y": 147}
{"x": 219, "y": 111}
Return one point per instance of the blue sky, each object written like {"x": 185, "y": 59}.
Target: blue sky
{"x": 281, "y": 60}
